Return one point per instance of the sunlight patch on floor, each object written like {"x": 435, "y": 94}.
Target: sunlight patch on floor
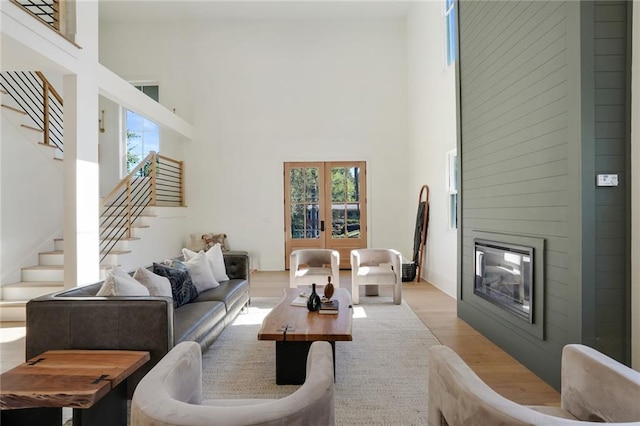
{"x": 359, "y": 312}
{"x": 11, "y": 334}
{"x": 253, "y": 317}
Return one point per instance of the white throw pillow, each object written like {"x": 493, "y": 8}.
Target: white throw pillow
{"x": 119, "y": 283}
{"x": 216, "y": 260}
{"x": 200, "y": 272}
{"x": 157, "y": 285}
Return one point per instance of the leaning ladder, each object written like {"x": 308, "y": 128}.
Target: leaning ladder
{"x": 422, "y": 222}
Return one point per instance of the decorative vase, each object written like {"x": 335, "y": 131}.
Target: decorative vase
{"x": 328, "y": 289}
{"x": 314, "y": 300}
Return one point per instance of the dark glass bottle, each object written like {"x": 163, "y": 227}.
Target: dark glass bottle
{"x": 314, "y": 302}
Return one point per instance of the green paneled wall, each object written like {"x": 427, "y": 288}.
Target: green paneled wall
{"x": 533, "y": 130}
{"x": 610, "y": 304}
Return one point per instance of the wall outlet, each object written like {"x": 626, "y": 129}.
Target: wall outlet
{"x": 607, "y": 180}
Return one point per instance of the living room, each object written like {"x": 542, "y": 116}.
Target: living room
{"x": 260, "y": 92}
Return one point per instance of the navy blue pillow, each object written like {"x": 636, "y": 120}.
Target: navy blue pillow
{"x": 182, "y": 288}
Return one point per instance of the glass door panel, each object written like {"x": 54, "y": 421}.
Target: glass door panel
{"x": 345, "y": 197}
{"x": 303, "y": 202}
{"x": 307, "y": 206}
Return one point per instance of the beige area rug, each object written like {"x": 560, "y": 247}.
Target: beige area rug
{"x": 381, "y": 376}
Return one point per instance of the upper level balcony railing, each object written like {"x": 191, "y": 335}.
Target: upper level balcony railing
{"x": 55, "y": 13}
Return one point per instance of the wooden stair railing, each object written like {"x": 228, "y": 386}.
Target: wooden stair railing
{"x": 51, "y": 12}
{"x": 156, "y": 181}
{"x": 40, "y": 100}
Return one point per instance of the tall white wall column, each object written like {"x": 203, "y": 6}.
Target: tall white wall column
{"x": 81, "y": 180}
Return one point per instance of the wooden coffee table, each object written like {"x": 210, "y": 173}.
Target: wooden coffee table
{"x": 294, "y": 329}
{"x": 92, "y": 382}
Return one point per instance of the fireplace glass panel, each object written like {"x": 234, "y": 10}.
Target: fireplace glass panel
{"x": 504, "y": 276}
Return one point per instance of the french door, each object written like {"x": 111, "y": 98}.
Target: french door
{"x": 325, "y": 207}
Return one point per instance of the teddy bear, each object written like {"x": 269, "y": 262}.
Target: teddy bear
{"x": 211, "y": 239}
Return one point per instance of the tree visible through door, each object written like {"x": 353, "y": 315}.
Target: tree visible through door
{"x": 325, "y": 207}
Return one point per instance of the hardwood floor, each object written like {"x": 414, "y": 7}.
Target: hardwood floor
{"x": 436, "y": 310}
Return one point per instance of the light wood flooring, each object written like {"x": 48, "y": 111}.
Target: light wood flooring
{"x": 437, "y": 311}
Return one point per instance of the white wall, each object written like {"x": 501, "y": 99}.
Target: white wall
{"x": 432, "y": 133}
{"x": 31, "y": 192}
{"x": 162, "y": 240}
{"x": 259, "y": 93}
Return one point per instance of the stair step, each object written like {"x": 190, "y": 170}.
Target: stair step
{"x": 26, "y": 290}
{"x": 43, "y": 273}
{"x": 18, "y": 110}
{"x": 52, "y": 272}
{"x": 58, "y": 243}
{"x": 51, "y": 258}
{"x": 133, "y": 225}
{"x": 4, "y": 92}
{"x": 35, "y": 129}
{"x": 56, "y": 257}
{"x": 13, "y": 311}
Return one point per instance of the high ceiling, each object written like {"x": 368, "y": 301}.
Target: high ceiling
{"x": 207, "y": 10}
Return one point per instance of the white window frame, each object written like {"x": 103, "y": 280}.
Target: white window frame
{"x": 452, "y": 188}
{"x": 124, "y": 126}
{"x": 450, "y": 32}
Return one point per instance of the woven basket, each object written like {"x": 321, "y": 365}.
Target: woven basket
{"x": 408, "y": 271}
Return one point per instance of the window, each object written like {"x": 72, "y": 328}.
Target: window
{"x": 150, "y": 90}
{"x": 142, "y": 135}
{"x": 452, "y": 188}
{"x": 450, "y": 30}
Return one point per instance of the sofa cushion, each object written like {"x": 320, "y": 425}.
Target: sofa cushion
{"x": 201, "y": 273}
{"x": 182, "y": 288}
{"x": 194, "y": 320}
{"x": 156, "y": 284}
{"x": 119, "y": 283}
{"x": 228, "y": 292}
{"x": 216, "y": 261}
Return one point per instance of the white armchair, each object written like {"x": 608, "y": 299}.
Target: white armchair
{"x": 374, "y": 267}
{"x": 171, "y": 395}
{"x": 595, "y": 389}
{"x": 308, "y": 266}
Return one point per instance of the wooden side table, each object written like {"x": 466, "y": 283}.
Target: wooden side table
{"x": 92, "y": 382}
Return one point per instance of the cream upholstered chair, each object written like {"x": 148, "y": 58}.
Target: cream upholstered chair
{"x": 374, "y": 267}
{"x": 171, "y": 395}
{"x": 308, "y": 266}
{"x": 595, "y": 388}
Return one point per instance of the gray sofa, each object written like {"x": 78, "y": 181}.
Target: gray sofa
{"x": 77, "y": 319}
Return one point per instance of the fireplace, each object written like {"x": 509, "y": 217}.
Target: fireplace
{"x": 504, "y": 276}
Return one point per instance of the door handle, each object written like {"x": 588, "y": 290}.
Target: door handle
{"x": 322, "y": 226}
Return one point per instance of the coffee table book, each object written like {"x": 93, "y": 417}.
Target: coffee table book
{"x": 329, "y": 307}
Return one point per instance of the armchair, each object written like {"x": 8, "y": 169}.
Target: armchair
{"x": 595, "y": 389}
{"x": 374, "y": 267}
{"x": 308, "y": 266}
{"x": 171, "y": 395}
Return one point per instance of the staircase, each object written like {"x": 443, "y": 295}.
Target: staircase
{"x": 126, "y": 210}
{"x": 48, "y": 275}
{"x": 28, "y": 127}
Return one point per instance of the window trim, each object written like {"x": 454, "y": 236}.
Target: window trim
{"x": 450, "y": 32}
{"x": 452, "y": 188}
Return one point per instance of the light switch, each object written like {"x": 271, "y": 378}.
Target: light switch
{"x": 607, "y": 180}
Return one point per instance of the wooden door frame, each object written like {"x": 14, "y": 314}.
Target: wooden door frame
{"x": 344, "y": 246}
